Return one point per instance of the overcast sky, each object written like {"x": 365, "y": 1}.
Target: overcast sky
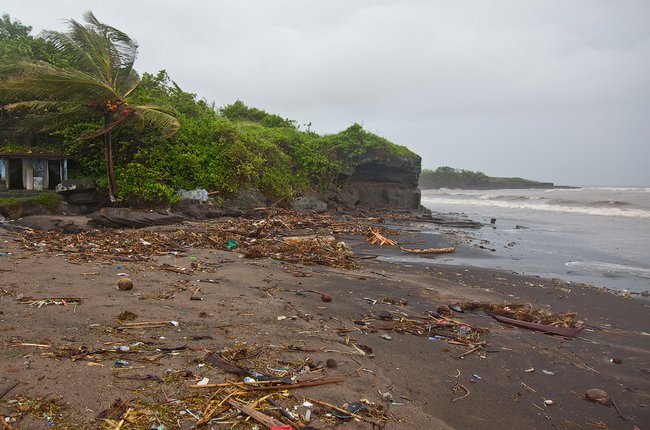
{"x": 548, "y": 90}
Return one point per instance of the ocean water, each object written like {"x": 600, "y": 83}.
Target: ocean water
{"x": 597, "y": 235}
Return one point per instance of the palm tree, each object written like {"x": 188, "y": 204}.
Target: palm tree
{"x": 97, "y": 81}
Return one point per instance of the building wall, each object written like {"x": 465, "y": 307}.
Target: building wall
{"x": 35, "y": 173}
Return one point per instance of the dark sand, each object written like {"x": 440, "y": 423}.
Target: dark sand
{"x": 245, "y": 304}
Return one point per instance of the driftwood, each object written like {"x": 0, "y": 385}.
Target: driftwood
{"x": 428, "y": 250}
{"x": 561, "y": 331}
{"x": 376, "y": 238}
{"x": 256, "y": 415}
{"x": 296, "y": 385}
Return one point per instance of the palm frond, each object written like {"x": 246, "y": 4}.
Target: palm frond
{"x": 159, "y": 118}
{"x": 122, "y": 49}
{"x": 44, "y": 81}
{"x": 39, "y": 106}
{"x": 50, "y": 121}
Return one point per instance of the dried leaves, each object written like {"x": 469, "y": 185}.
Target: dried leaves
{"x": 282, "y": 235}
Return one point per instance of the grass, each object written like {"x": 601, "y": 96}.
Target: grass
{"x": 49, "y": 201}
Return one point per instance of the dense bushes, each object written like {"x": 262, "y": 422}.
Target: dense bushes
{"x": 219, "y": 149}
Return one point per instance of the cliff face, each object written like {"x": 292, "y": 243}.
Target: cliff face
{"x": 385, "y": 183}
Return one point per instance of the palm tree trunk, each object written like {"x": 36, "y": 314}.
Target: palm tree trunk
{"x": 108, "y": 154}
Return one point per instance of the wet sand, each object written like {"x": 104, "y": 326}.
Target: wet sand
{"x": 245, "y": 304}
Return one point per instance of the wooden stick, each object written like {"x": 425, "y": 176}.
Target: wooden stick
{"x": 9, "y": 388}
{"x": 615, "y": 406}
{"x": 37, "y": 345}
{"x": 228, "y": 384}
{"x": 208, "y": 415}
{"x": 256, "y": 415}
{"x": 145, "y": 323}
{"x": 141, "y": 327}
{"x": 476, "y": 348}
{"x": 297, "y": 385}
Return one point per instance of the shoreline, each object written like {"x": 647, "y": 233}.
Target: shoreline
{"x": 242, "y": 308}
{"x": 595, "y": 236}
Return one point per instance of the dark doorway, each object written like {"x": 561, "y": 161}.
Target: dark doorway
{"x": 15, "y": 174}
{"x": 54, "y": 173}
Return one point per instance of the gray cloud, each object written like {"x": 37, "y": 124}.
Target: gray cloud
{"x": 551, "y": 90}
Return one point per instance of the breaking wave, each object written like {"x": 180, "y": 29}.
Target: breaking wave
{"x": 609, "y": 267}
{"x": 599, "y": 207}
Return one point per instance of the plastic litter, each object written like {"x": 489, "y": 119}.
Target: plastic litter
{"x": 121, "y": 363}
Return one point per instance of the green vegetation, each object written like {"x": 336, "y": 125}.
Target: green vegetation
{"x": 50, "y": 201}
{"x": 222, "y": 150}
{"x": 94, "y": 85}
{"x": 448, "y": 177}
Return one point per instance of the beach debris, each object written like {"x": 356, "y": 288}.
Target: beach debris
{"x": 530, "y": 370}
{"x": 445, "y": 250}
{"x": 384, "y": 315}
{"x": 121, "y": 363}
{"x": 143, "y": 325}
{"x": 444, "y": 310}
{"x": 386, "y": 337}
{"x": 217, "y": 361}
{"x": 616, "y": 360}
{"x": 331, "y": 363}
{"x": 326, "y": 298}
{"x": 456, "y": 308}
{"x": 349, "y": 411}
{"x": 7, "y": 389}
{"x": 561, "y": 331}
{"x": 598, "y": 396}
{"x": 126, "y": 316}
{"x": 124, "y": 284}
{"x": 459, "y": 387}
{"x": 48, "y": 409}
{"x": 524, "y": 312}
{"x": 548, "y": 372}
{"x": 54, "y": 301}
{"x": 394, "y": 301}
{"x": 254, "y": 238}
{"x": 374, "y": 237}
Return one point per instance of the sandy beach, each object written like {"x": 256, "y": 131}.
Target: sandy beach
{"x": 61, "y": 367}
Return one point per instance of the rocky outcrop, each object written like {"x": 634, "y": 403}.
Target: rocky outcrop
{"x": 309, "y": 204}
{"x": 389, "y": 182}
{"x": 80, "y": 196}
{"x": 124, "y": 217}
{"x": 18, "y": 208}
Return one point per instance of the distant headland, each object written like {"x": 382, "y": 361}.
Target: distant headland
{"x": 449, "y": 177}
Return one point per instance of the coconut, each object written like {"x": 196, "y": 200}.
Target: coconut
{"x": 124, "y": 284}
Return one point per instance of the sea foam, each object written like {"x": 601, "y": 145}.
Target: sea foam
{"x": 564, "y": 206}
